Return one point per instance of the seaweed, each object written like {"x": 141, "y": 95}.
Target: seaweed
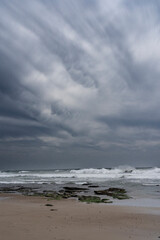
{"x": 93, "y": 199}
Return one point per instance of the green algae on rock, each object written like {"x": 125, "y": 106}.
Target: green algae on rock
{"x": 118, "y": 193}
{"x": 93, "y": 199}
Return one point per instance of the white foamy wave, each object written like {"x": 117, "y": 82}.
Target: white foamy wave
{"x": 119, "y": 170}
{"x": 153, "y": 173}
{"x": 126, "y": 173}
{"x": 90, "y": 171}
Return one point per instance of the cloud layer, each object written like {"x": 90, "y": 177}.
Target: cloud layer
{"x": 79, "y": 77}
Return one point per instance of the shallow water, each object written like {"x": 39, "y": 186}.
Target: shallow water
{"x": 139, "y": 202}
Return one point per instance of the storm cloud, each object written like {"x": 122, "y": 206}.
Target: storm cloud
{"x": 79, "y": 83}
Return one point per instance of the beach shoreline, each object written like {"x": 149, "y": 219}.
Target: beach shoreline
{"x": 34, "y": 217}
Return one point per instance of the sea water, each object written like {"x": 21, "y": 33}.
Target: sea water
{"x": 145, "y": 176}
{"x": 140, "y": 183}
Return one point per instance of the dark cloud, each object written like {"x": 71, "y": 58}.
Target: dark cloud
{"x": 79, "y": 81}
{"x": 131, "y": 122}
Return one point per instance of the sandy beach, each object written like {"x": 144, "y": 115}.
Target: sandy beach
{"x": 26, "y": 218}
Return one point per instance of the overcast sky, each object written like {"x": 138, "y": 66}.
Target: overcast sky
{"x": 79, "y": 83}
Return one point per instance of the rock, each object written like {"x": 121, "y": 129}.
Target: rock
{"x": 120, "y": 196}
{"x": 86, "y": 184}
{"x": 21, "y": 189}
{"x": 110, "y": 190}
{"x": 49, "y": 205}
{"x": 7, "y": 189}
{"x": 128, "y": 171}
{"x": 120, "y": 190}
{"x": 105, "y": 200}
{"x": 93, "y": 186}
{"x": 89, "y": 199}
{"x": 101, "y": 192}
{"x": 69, "y": 192}
{"x": 93, "y": 199}
{"x": 74, "y": 189}
{"x": 61, "y": 191}
{"x": 118, "y": 193}
{"x": 53, "y": 195}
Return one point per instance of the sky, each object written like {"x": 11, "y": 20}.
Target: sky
{"x": 79, "y": 83}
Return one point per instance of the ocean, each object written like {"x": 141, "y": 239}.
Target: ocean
{"x": 140, "y": 183}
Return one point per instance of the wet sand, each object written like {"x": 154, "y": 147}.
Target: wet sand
{"x": 28, "y": 218}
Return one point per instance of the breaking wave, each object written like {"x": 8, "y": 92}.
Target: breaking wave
{"x": 81, "y": 175}
{"x": 120, "y": 172}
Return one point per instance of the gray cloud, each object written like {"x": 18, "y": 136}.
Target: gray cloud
{"x": 79, "y": 79}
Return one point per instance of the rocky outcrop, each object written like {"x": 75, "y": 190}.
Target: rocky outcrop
{"x": 93, "y": 199}
{"x": 118, "y": 193}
